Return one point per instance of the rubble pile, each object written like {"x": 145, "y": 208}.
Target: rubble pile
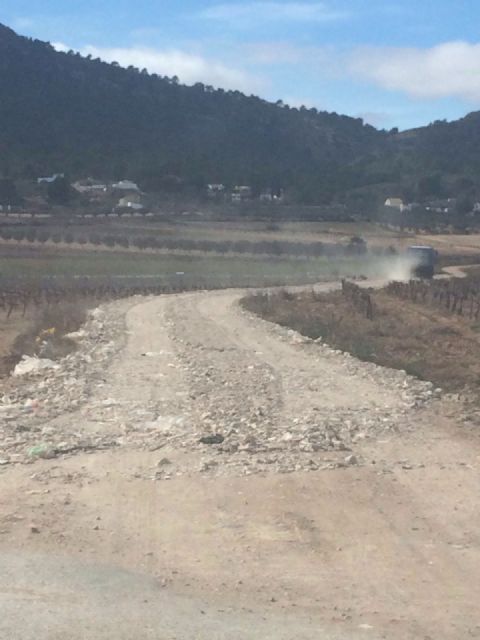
{"x": 41, "y": 391}
{"x": 234, "y": 409}
{"x": 238, "y": 419}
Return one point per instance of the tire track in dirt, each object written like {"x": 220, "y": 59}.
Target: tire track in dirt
{"x": 385, "y": 548}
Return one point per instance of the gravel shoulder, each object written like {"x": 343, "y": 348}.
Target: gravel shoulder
{"x": 329, "y": 498}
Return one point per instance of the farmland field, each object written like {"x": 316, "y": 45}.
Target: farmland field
{"x": 25, "y": 269}
{"x": 213, "y": 270}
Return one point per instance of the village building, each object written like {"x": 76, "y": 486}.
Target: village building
{"x": 125, "y": 185}
{"x": 89, "y": 186}
{"x": 50, "y": 179}
{"x": 241, "y": 193}
{"x": 395, "y": 203}
{"x": 130, "y": 202}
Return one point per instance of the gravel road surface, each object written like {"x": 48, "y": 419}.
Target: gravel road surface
{"x": 192, "y": 471}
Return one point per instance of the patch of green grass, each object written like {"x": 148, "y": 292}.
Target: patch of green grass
{"x": 217, "y": 270}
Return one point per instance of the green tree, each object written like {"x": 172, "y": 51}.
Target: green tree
{"x": 8, "y": 192}
{"x": 430, "y": 186}
{"x": 59, "y": 191}
{"x": 464, "y": 205}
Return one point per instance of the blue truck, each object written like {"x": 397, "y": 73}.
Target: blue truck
{"x": 423, "y": 260}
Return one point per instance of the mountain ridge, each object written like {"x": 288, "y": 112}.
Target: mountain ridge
{"x": 61, "y": 112}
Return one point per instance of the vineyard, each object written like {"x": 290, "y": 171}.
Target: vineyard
{"x": 455, "y": 296}
{"x": 35, "y": 316}
{"x": 459, "y": 296}
{"x": 19, "y": 297}
{"x": 103, "y": 236}
{"x": 428, "y": 329}
{"x": 360, "y": 299}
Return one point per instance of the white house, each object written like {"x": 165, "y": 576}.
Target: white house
{"x": 395, "y": 203}
{"x": 125, "y": 185}
{"x": 241, "y": 193}
{"x": 215, "y": 188}
{"x": 89, "y": 186}
{"x": 130, "y": 202}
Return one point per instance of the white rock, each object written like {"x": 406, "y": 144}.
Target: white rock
{"x": 77, "y": 335}
{"x": 31, "y": 364}
{"x": 97, "y": 314}
{"x": 359, "y": 436}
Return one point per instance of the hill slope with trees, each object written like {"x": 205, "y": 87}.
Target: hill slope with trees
{"x": 61, "y": 112}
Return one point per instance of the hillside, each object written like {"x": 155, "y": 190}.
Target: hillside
{"x": 62, "y": 112}
{"x": 451, "y": 148}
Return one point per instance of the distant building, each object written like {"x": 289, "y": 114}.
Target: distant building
{"x": 132, "y": 201}
{"x": 269, "y": 195}
{"x": 241, "y": 193}
{"x": 125, "y": 185}
{"x": 89, "y": 186}
{"x": 135, "y": 198}
{"x": 447, "y": 205}
{"x": 395, "y": 203}
{"x": 49, "y": 179}
{"x": 215, "y": 189}
{"x": 134, "y": 206}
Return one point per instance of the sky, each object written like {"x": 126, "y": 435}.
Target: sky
{"x": 393, "y": 63}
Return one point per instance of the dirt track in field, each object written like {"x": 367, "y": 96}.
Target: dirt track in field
{"x": 240, "y": 539}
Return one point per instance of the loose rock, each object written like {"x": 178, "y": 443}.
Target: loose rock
{"x": 215, "y": 438}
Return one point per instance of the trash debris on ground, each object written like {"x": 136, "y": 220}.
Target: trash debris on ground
{"x": 32, "y": 364}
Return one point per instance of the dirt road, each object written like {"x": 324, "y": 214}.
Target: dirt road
{"x": 330, "y": 498}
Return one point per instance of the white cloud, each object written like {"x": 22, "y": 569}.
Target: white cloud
{"x": 60, "y": 46}
{"x": 451, "y": 69}
{"x": 297, "y": 102}
{"x": 251, "y": 13}
{"x": 189, "y": 68}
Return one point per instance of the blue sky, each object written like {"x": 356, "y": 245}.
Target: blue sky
{"x": 393, "y": 63}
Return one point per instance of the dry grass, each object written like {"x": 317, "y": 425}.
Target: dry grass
{"x": 40, "y": 332}
{"x": 424, "y": 342}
